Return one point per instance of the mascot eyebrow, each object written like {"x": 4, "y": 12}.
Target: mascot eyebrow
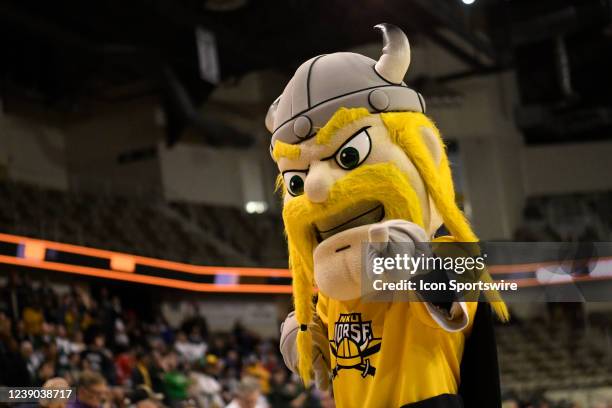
{"x": 282, "y": 149}
{"x": 342, "y": 118}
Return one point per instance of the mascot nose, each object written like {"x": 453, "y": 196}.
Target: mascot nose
{"x": 318, "y": 181}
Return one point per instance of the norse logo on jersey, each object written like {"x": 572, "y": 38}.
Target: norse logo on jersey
{"x": 353, "y": 343}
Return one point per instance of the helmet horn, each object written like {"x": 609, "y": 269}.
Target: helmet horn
{"x": 394, "y": 62}
{"x": 270, "y": 115}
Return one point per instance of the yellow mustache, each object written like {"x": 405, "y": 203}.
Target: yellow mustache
{"x": 382, "y": 182}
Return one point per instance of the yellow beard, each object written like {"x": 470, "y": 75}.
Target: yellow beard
{"x": 384, "y": 183}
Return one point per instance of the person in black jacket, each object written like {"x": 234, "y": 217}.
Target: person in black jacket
{"x": 13, "y": 367}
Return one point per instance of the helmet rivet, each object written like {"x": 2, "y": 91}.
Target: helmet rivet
{"x": 302, "y": 126}
{"x": 378, "y": 100}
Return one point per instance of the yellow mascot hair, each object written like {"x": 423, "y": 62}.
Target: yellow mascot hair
{"x": 405, "y": 130}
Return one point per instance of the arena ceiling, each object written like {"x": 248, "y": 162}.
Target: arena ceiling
{"x": 68, "y": 55}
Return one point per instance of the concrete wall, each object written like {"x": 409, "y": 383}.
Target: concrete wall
{"x": 32, "y": 152}
{"x": 196, "y": 173}
{"x": 568, "y": 168}
{"x": 491, "y": 150}
{"x": 94, "y": 145}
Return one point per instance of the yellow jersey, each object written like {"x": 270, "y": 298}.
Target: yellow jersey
{"x": 390, "y": 354}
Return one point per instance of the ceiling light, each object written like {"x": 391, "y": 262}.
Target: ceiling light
{"x": 256, "y": 207}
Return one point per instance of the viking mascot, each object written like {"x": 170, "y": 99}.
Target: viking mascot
{"x": 360, "y": 163}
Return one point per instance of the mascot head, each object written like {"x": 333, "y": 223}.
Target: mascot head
{"x": 354, "y": 148}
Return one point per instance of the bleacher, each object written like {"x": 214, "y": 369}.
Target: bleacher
{"x": 539, "y": 355}
{"x": 185, "y": 232}
{"x": 535, "y": 356}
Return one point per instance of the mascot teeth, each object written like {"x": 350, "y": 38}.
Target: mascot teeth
{"x": 370, "y": 216}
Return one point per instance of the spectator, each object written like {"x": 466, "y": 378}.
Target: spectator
{"x": 98, "y": 358}
{"x": 13, "y": 366}
{"x": 45, "y": 372}
{"x": 282, "y": 392}
{"x": 189, "y": 351}
{"x": 141, "y": 374}
{"x": 248, "y": 395}
{"x": 165, "y": 361}
{"x": 205, "y": 388}
{"x": 175, "y": 382}
{"x": 72, "y": 371}
{"x": 144, "y": 397}
{"x": 92, "y": 391}
{"x": 32, "y": 358}
{"x": 124, "y": 366}
{"x": 254, "y": 368}
{"x": 59, "y": 384}
{"x": 33, "y": 319}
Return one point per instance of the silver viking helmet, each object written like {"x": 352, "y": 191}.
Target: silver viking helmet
{"x": 326, "y": 83}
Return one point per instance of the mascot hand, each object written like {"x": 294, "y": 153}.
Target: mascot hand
{"x": 320, "y": 353}
{"x": 397, "y": 237}
{"x": 397, "y": 231}
{"x": 392, "y": 239}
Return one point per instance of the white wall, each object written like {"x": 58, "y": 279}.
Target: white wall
{"x": 491, "y": 150}
{"x": 243, "y": 105}
{"x": 568, "y": 168}
{"x": 196, "y": 173}
{"x": 493, "y": 186}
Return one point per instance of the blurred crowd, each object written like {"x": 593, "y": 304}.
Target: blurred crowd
{"x": 116, "y": 358}
{"x": 542, "y": 402}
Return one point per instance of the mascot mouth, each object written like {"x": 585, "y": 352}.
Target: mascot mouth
{"x": 351, "y": 217}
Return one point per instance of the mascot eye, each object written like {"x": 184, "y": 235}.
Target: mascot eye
{"x": 294, "y": 181}
{"x": 352, "y": 153}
